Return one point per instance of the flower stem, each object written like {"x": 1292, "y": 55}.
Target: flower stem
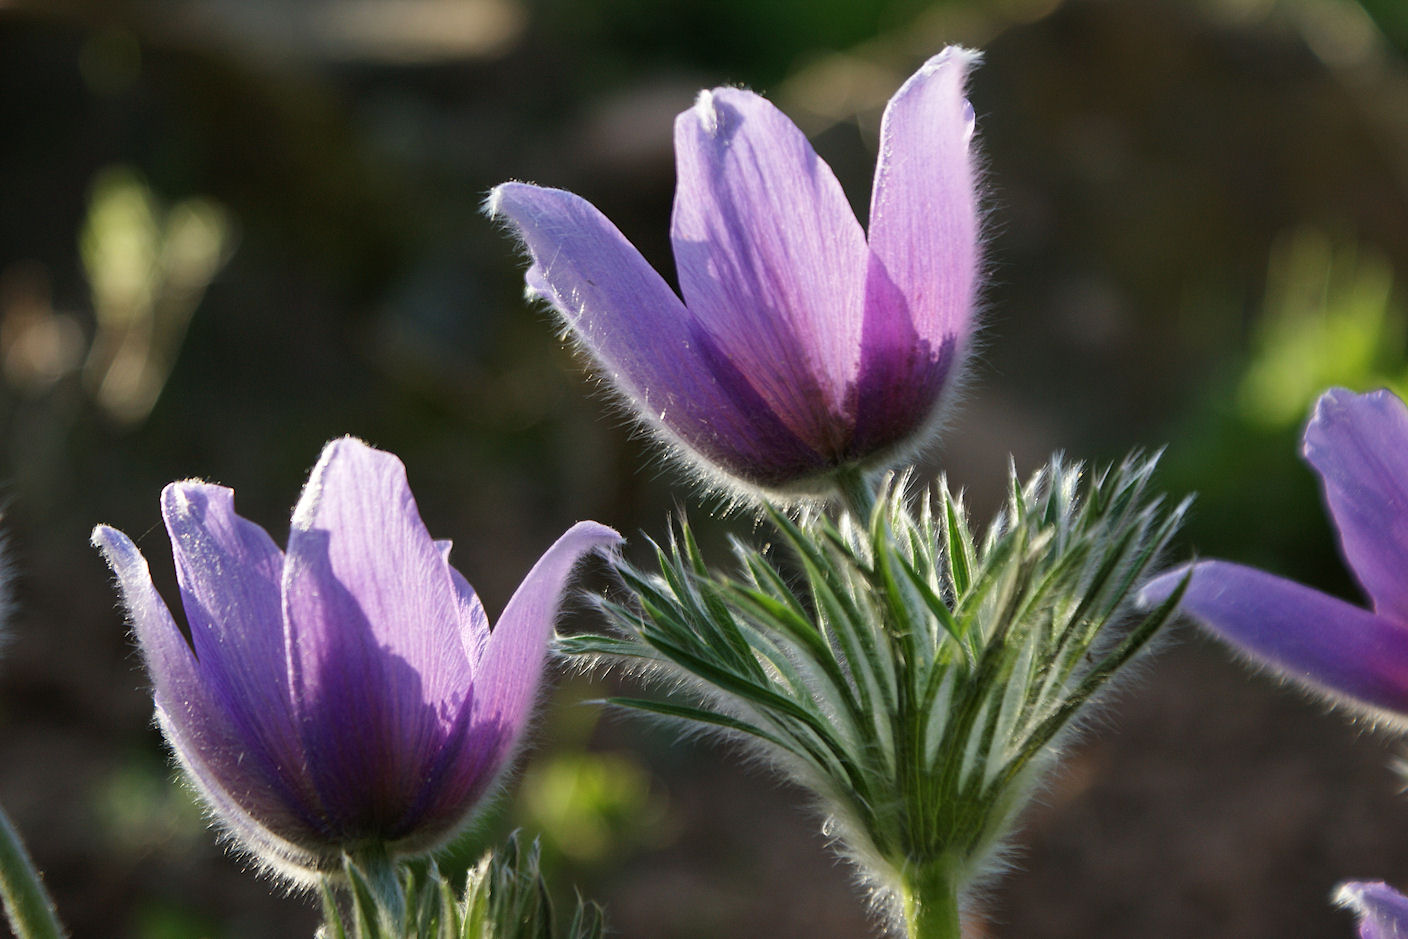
{"x": 856, "y": 493}
{"x": 27, "y": 904}
{"x": 371, "y": 869}
{"x": 930, "y": 893}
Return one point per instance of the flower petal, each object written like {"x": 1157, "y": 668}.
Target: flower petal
{"x": 196, "y": 724}
{"x": 229, "y": 571}
{"x": 924, "y": 208}
{"x": 247, "y": 823}
{"x": 379, "y": 669}
{"x": 922, "y": 283}
{"x": 474, "y": 622}
{"x": 168, "y": 656}
{"x": 507, "y": 682}
{"x": 771, "y": 259}
{"x": 652, "y": 349}
{"x": 1382, "y": 911}
{"x": 1359, "y": 446}
{"x": 1312, "y": 638}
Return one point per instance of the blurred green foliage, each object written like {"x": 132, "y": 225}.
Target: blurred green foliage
{"x": 1328, "y": 319}
{"x": 591, "y": 807}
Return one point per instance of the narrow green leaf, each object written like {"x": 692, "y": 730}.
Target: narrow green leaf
{"x": 698, "y": 715}
{"x": 333, "y": 927}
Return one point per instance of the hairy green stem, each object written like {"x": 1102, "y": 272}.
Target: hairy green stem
{"x": 857, "y": 494}
{"x": 383, "y": 880}
{"x": 930, "y": 895}
{"x": 27, "y": 904}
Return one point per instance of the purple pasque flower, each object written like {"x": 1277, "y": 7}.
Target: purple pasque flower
{"x": 347, "y": 694}
{"x": 799, "y": 347}
{"x": 1358, "y": 444}
{"x": 1382, "y": 911}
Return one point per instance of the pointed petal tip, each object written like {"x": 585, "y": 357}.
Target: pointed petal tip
{"x": 604, "y": 535}
{"x": 163, "y": 645}
{"x": 177, "y": 498}
{"x": 704, "y": 111}
{"x": 1159, "y": 588}
{"x": 1358, "y": 445}
{"x": 344, "y": 443}
{"x": 952, "y": 64}
{"x": 122, "y": 556}
{"x": 106, "y": 538}
{"x": 1337, "y": 403}
{"x": 508, "y": 203}
{"x": 582, "y": 539}
{"x": 490, "y": 205}
{"x": 593, "y": 538}
{"x": 494, "y": 206}
{"x": 958, "y": 60}
{"x": 712, "y": 107}
{"x": 952, "y": 56}
{"x": 1350, "y": 893}
{"x": 518, "y": 643}
{"x": 336, "y": 450}
{"x": 1381, "y": 910}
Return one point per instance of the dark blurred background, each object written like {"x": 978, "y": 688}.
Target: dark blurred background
{"x": 233, "y": 229}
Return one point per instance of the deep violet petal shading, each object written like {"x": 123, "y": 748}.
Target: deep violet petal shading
{"x": 922, "y": 283}
{"x": 328, "y": 701}
{"x": 1307, "y": 636}
{"x": 924, "y": 208}
{"x": 369, "y": 603}
{"x": 359, "y": 552}
{"x": 196, "y": 723}
{"x": 800, "y": 350}
{"x": 1382, "y": 911}
{"x": 771, "y": 258}
{"x": 654, "y": 351}
{"x": 1359, "y": 446}
{"x": 512, "y": 665}
{"x": 229, "y": 572}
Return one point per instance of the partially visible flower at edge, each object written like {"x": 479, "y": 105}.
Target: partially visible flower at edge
{"x": 1358, "y": 444}
{"x": 800, "y": 348}
{"x": 1382, "y": 911}
{"x": 347, "y": 696}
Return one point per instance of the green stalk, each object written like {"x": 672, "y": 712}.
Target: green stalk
{"x": 930, "y": 895}
{"x": 857, "y": 494}
{"x": 376, "y": 881}
{"x": 27, "y": 904}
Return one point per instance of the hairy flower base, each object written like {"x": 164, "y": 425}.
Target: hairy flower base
{"x": 916, "y": 679}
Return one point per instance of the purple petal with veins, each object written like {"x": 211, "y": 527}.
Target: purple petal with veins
{"x": 350, "y": 690}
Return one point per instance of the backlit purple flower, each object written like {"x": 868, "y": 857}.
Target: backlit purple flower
{"x": 1358, "y": 444}
{"x": 799, "y": 346}
{"x": 348, "y": 693}
{"x": 1382, "y": 911}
